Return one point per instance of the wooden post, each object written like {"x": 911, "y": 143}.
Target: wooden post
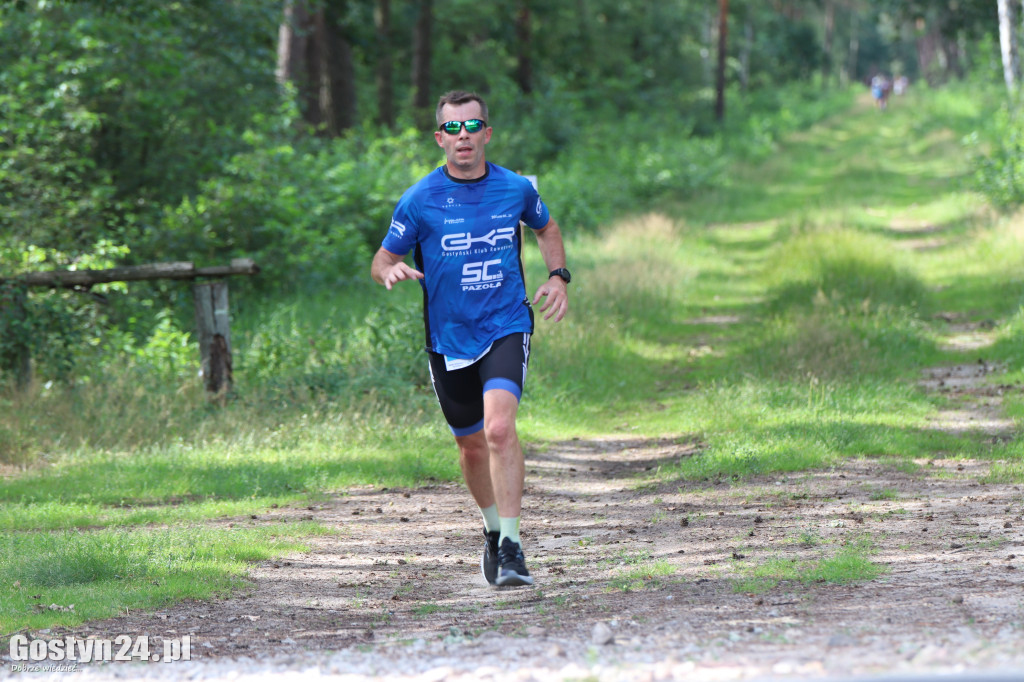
{"x": 213, "y": 329}
{"x": 15, "y": 353}
{"x": 211, "y": 302}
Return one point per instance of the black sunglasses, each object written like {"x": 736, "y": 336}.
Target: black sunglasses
{"x": 473, "y": 125}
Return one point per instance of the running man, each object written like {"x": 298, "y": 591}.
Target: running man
{"x": 462, "y": 223}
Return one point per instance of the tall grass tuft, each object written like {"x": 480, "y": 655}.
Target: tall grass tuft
{"x": 841, "y": 266}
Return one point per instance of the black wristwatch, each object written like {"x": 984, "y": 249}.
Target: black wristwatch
{"x": 561, "y": 272}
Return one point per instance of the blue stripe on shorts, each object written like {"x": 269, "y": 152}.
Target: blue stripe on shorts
{"x": 467, "y": 430}
{"x": 507, "y": 384}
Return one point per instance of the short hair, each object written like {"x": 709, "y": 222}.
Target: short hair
{"x": 457, "y": 97}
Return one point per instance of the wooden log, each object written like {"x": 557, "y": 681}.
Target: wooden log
{"x": 213, "y": 329}
{"x": 134, "y": 273}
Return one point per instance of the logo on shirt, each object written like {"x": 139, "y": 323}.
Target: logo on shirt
{"x": 398, "y": 227}
{"x": 540, "y": 206}
{"x": 463, "y": 241}
{"x": 500, "y": 217}
{"x": 482, "y": 275}
{"x": 454, "y": 221}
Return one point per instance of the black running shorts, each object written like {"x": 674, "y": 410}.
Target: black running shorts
{"x": 461, "y": 392}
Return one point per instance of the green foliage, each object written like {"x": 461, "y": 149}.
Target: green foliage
{"x": 56, "y": 327}
{"x": 307, "y": 212}
{"x": 335, "y": 347}
{"x": 111, "y": 111}
{"x": 999, "y": 158}
{"x": 599, "y": 176}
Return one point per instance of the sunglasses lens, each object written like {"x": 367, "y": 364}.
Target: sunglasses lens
{"x": 473, "y": 125}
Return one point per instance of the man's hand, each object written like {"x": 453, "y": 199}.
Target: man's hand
{"x": 557, "y": 303}
{"x": 398, "y": 272}
{"x": 389, "y": 269}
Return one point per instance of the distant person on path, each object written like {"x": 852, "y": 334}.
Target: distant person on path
{"x": 880, "y": 90}
{"x": 462, "y": 223}
{"x": 899, "y": 85}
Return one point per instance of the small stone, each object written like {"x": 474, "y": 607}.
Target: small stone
{"x": 958, "y": 599}
{"x": 602, "y": 634}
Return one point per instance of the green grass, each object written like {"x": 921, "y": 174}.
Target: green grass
{"x": 67, "y": 577}
{"x": 779, "y": 319}
{"x": 642, "y": 576}
{"x": 850, "y": 564}
{"x": 427, "y": 609}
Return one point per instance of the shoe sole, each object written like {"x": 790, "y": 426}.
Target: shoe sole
{"x": 514, "y": 580}
{"x": 483, "y": 572}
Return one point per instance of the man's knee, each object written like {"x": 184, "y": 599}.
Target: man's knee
{"x": 500, "y": 430}
{"x": 473, "y": 448}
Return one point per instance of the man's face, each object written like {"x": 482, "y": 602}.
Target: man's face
{"x": 464, "y": 151}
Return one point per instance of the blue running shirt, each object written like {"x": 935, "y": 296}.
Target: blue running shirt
{"x": 466, "y": 240}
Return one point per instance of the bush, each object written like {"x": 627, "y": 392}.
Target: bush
{"x": 309, "y": 213}
{"x": 999, "y": 173}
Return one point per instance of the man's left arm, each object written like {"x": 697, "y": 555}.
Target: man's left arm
{"x": 552, "y": 249}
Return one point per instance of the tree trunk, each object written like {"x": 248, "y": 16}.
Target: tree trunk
{"x": 293, "y": 49}
{"x": 723, "y": 31}
{"x": 524, "y": 48}
{"x": 830, "y": 28}
{"x": 745, "y": 50}
{"x": 421, "y": 56}
{"x": 385, "y": 65}
{"x": 314, "y": 54}
{"x": 15, "y": 352}
{"x": 854, "y": 42}
{"x": 954, "y": 56}
{"x": 1008, "y": 44}
{"x": 928, "y": 55}
{"x": 336, "y": 71}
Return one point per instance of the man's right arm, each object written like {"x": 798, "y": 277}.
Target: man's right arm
{"x": 390, "y": 268}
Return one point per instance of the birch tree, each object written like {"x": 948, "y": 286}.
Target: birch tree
{"x": 1008, "y": 44}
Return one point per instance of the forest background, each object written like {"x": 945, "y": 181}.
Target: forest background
{"x": 145, "y": 131}
{"x": 141, "y": 132}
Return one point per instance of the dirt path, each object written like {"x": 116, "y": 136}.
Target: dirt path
{"x": 397, "y": 592}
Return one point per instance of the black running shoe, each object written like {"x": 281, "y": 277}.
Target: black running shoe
{"x": 512, "y": 565}
{"x": 489, "y": 561}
